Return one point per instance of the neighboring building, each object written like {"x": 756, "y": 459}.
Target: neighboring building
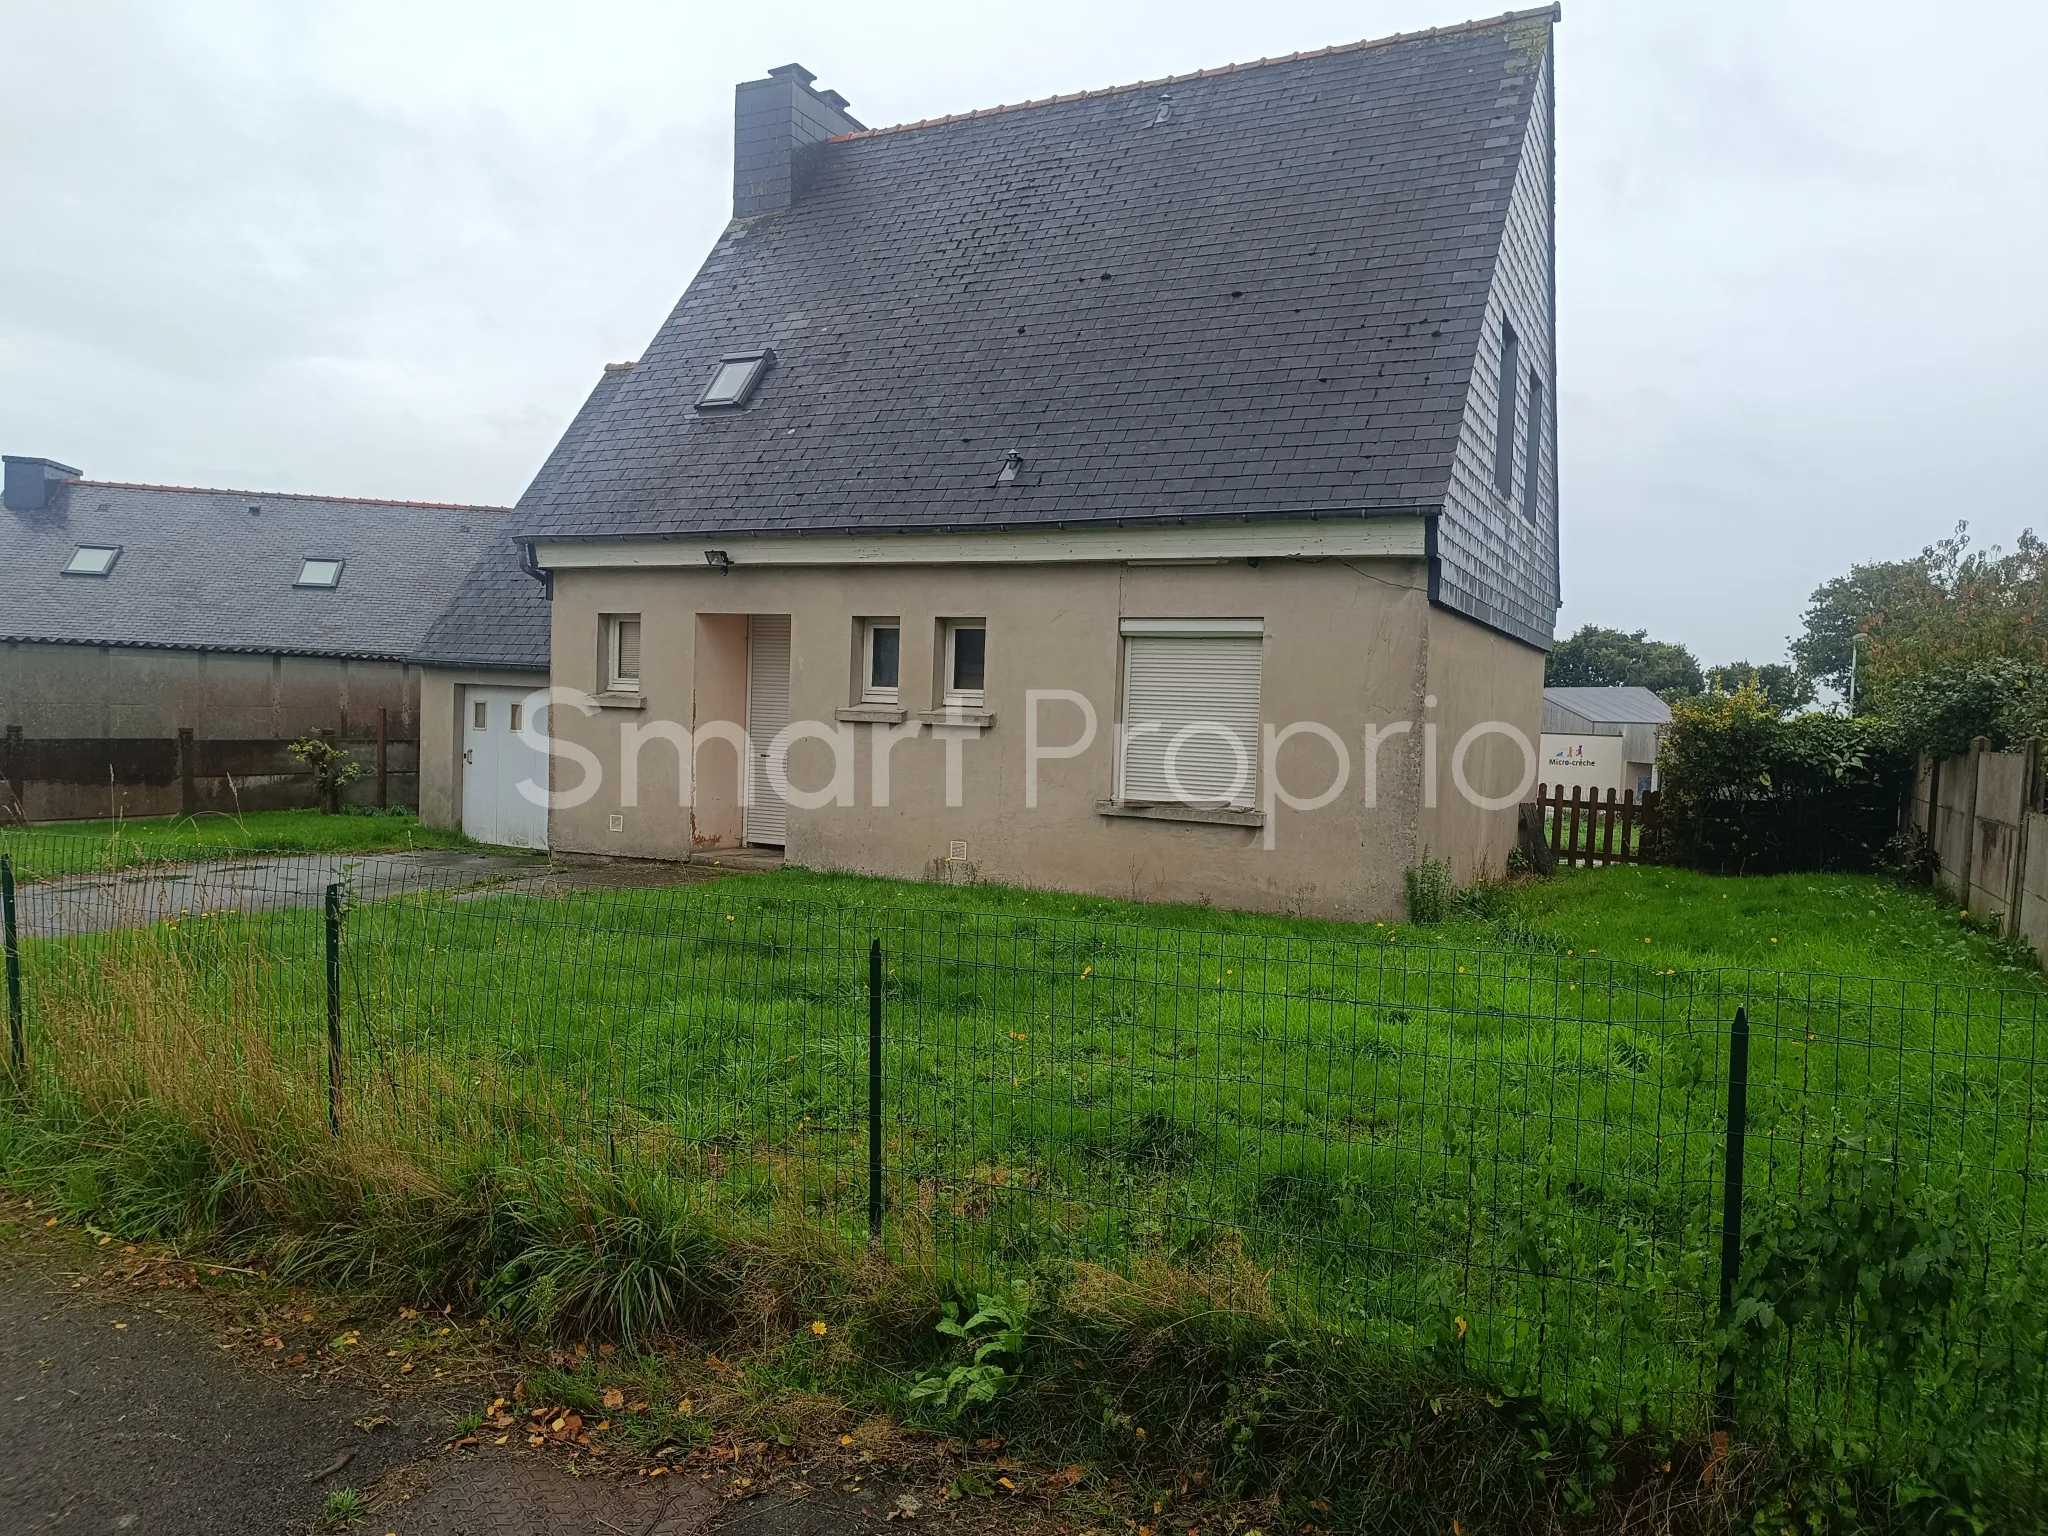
{"x": 1002, "y": 482}
{"x": 160, "y": 645}
{"x": 1602, "y": 738}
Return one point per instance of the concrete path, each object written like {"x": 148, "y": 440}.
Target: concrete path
{"x": 134, "y": 898}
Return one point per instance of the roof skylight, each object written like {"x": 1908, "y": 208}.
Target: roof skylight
{"x": 738, "y": 373}
{"x": 93, "y": 559}
{"x": 319, "y": 573}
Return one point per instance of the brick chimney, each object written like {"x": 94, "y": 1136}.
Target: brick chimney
{"x": 775, "y": 121}
{"x": 32, "y": 484}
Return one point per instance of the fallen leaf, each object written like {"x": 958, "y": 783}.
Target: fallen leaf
{"x": 614, "y": 1398}
{"x": 846, "y": 1439}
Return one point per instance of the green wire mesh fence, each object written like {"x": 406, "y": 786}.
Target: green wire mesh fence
{"x": 1511, "y": 1157}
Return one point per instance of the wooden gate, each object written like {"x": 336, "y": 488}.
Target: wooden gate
{"x": 1584, "y": 828}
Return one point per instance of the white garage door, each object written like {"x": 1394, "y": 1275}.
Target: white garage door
{"x": 496, "y": 760}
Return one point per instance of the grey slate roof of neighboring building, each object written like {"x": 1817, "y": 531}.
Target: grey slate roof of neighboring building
{"x": 1567, "y": 710}
{"x": 1257, "y": 291}
{"x": 499, "y": 616}
{"x": 198, "y": 570}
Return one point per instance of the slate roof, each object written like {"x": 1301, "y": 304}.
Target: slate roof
{"x": 1250, "y": 292}
{"x": 199, "y": 571}
{"x": 499, "y": 615}
{"x": 1603, "y": 706}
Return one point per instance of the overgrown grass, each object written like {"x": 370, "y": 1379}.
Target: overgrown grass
{"x": 1273, "y": 1189}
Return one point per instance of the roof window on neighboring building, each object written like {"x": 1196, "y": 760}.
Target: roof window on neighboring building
{"x": 738, "y": 373}
{"x": 319, "y": 573}
{"x": 93, "y": 559}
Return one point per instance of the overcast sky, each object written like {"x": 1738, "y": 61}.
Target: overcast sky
{"x": 383, "y": 249}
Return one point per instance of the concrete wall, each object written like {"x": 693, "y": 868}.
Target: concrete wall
{"x": 132, "y": 691}
{"x": 440, "y": 749}
{"x": 1982, "y": 815}
{"x": 1348, "y": 644}
{"x": 96, "y": 731}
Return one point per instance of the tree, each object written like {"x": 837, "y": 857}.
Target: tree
{"x": 1948, "y": 610}
{"x": 1609, "y": 658}
{"x": 1843, "y": 608}
{"x": 1784, "y": 688}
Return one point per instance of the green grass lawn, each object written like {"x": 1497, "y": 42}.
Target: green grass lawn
{"x": 1498, "y": 1140}
{"x": 175, "y": 837}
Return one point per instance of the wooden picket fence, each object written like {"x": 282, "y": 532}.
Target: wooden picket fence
{"x": 1583, "y": 828}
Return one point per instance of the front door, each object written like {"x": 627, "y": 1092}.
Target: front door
{"x": 496, "y": 759}
{"x": 766, "y": 818}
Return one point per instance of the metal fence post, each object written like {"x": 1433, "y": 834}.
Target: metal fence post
{"x": 1731, "y": 1207}
{"x": 334, "y": 1010}
{"x": 17, "y": 1043}
{"x": 875, "y": 1092}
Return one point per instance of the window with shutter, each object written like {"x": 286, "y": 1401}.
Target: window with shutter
{"x": 623, "y": 642}
{"x": 1190, "y": 730}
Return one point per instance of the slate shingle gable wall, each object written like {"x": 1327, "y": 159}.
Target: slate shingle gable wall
{"x": 198, "y": 572}
{"x": 1495, "y": 563}
{"x": 1269, "y": 303}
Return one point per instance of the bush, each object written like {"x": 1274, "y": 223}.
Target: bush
{"x": 1747, "y": 791}
{"x": 1942, "y": 711}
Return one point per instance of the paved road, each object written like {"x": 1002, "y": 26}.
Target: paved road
{"x": 121, "y": 1411}
{"x": 131, "y": 898}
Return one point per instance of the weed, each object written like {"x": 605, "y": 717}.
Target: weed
{"x": 341, "y": 1506}
{"x": 1429, "y": 891}
{"x": 996, "y": 1334}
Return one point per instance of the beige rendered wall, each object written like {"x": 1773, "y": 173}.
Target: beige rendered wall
{"x": 1479, "y": 678}
{"x": 1348, "y": 644}
{"x": 441, "y": 707}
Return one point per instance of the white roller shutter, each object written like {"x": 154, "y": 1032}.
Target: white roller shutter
{"x": 1191, "y": 712}
{"x": 765, "y": 818}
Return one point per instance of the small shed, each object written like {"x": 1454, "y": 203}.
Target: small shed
{"x": 1602, "y": 738}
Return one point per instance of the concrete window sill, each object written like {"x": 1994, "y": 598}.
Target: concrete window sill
{"x": 619, "y": 700}
{"x": 871, "y": 714}
{"x": 975, "y": 720}
{"x": 1214, "y": 815}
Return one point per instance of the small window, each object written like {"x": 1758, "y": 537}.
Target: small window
{"x": 480, "y": 715}
{"x": 622, "y": 653}
{"x": 738, "y": 373}
{"x": 319, "y": 573}
{"x": 518, "y": 721}
{"x": 1504, "y": 421}
{"x": 93, "y": 559}
{"x": 881, "y": 661}
{"x": 966, "y": 660}
{"x": 1532, "y": 438}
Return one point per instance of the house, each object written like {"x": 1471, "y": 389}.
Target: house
{"x": 1148, "y": 491}
{"x": 161, "y": 646}
{"x": 1602, "y": 738}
